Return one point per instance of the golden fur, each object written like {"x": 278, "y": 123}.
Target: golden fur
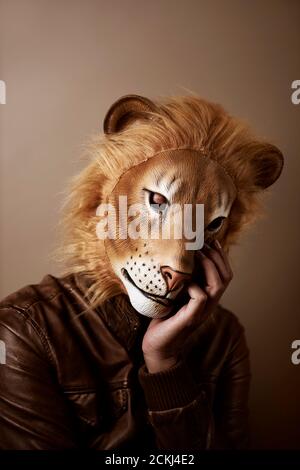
{"x": 179, "y": 122}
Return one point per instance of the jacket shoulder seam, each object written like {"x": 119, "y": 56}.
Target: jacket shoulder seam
{"x": 36, "y": 327}
{"x": 28, "y": 306}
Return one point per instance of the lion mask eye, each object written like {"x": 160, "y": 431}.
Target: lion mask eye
{"x": 157, "y": 201}
{"x": 215, "y": 224}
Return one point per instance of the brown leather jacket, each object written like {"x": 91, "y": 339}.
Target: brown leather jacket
{"x": 74, "y": 381}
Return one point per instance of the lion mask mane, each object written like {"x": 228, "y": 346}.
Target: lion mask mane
{"x": 182, "y": 149}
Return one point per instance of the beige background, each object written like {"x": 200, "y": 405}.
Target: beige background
{"x": 65, "y": 62}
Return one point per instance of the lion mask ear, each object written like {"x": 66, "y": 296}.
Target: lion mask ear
{"x": 266, "y": 163}
{"x": 257, "y": 166}
{"x": 125, "y": 110}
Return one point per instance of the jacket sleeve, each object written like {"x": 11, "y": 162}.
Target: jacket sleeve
{"x": 181, "y": 414}
{"x": 231, "y": 404}
{"x": 177, "y": 409}
{"x": 25, "y": 372}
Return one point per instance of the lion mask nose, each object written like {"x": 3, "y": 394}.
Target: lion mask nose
{"x": 174, "y": 278}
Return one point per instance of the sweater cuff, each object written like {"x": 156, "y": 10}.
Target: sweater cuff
{"x": 170, "y": 388}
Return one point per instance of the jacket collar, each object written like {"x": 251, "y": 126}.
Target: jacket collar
{"x": 123, "y": 320}
{"x": 126, "y": 324}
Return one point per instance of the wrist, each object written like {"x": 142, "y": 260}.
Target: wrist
{"x": 156, "y": 364}
{"x": 172, "y": 388}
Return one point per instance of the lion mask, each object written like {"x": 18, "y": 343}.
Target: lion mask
{"x": 177, "y": 151}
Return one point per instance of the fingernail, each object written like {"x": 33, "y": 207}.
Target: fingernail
{"x": 218, "y": 244}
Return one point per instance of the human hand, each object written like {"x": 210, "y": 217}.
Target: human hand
{"x": 165, "y": 338}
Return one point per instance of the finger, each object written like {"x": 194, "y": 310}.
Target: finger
{"x": 191, "y": 313}
{"x": 224, "y": 255}
{"x": 215, "y": 256}
{"x": 176, "y": 321}
{"x": 214, "y": 282}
